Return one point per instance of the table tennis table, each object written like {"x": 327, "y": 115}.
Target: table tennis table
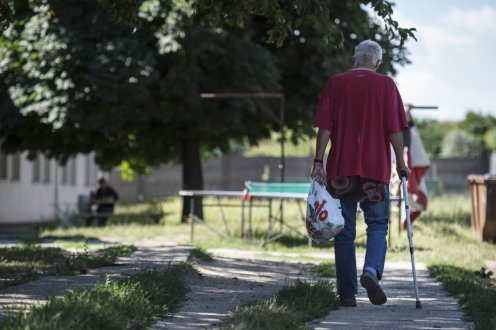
{"x": 270, "y": 191}
{"x": 254, "y": 194}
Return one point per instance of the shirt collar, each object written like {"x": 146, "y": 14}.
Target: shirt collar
{"x": 355, "y": 69}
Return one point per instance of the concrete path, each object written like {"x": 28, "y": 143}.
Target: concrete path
{"x": 439, "y": 311}
{"x": 37, "y": 292}
{"x": 229, "y": 282}
{"x": 237, "y": 277}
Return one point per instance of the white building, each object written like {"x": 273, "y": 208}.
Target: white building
{"x": 36, "y": 191}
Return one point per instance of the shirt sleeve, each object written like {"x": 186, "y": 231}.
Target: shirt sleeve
{"x": 323, "y": 115}
{"x": 396, "y": 112}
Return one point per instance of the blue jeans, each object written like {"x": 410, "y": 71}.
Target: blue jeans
{"x": 376, "y": 218}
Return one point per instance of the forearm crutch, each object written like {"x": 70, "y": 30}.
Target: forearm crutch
{"x": 410, "y": 237}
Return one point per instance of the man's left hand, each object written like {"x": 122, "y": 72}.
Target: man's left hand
{"x": 400, "y": 168}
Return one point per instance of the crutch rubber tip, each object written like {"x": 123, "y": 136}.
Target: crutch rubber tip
{"x": 418, "y": 304}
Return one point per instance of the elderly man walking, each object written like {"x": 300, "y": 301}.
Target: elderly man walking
{"x": 361, "y": 113}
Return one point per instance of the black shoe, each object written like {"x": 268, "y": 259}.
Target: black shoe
{"x": 374, "y": 290}
{"x": 347, "y": 302}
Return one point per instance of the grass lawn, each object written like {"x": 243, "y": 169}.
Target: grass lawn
{"x": 131, "y": 303}
{"x": 28, "y": 262}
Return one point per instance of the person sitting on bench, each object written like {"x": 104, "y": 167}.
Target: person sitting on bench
{"x": 105, "y": 198}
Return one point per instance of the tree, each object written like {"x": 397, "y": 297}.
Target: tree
{"x": 490, "y": 139}
{"x": 123, "y": 96}
{"x": 433, "y": 132}
{"x": 458, "y": 143}
{"x": 478, "y": 124}
{"x": 209, "y": 60}
{"x": 80, "y": 83}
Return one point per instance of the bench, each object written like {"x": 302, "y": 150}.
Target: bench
{"x": 87, "y": 211}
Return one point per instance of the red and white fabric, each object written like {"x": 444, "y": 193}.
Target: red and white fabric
{"x": 419, "y": 164}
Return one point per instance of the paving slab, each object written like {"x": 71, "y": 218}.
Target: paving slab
{"x": 439, "y": 311}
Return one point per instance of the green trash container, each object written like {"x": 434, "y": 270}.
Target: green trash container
{"x": 483, "y": 192}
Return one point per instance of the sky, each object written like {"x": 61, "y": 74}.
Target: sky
{"x": 454, "y": 60}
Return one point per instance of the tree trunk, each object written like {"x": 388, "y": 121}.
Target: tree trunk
{"x": 192, "y": 176}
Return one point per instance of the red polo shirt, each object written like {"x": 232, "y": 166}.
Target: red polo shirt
{"x": 361, "y": 108}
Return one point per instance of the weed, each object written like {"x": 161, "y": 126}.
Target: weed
{"x": 201, "y": 254}
{"x": 290, "y": 308}
{"x": 484, "y": 273}
{"x": 325, "y": 269}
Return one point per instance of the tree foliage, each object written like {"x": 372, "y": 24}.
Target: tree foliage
{"x": 478, "y": 124}
{"x": 81, "y": 83}
{"x": 476, "y": 130}
{"x": 490, "y": 139}
{"x": 432, "y": 133}
{"x": 458, "y": 143}
{"x": 282, "y": 16}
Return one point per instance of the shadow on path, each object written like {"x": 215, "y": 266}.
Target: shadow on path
{"x": 229, "y": 282}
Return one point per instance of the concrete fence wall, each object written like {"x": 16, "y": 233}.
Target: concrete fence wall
{"x": 224, "y": 173}
{"x": 230, "y": 172}
{"x": 452, "y": 172}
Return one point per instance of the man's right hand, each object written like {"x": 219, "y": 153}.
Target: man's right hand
{"x": 319, "y": 174}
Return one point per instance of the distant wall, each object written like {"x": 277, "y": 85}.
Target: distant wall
{"x": 230, "y": 173}
{"x": 452, "y": 172}
{"x": 492, "y": 162}
{"x": 224, "y": 173}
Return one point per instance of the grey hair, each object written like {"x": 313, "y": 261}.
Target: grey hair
{"x": 368, "y": 52}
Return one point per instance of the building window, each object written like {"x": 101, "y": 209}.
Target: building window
{"x": 64, "y": 173}
{"x": 72, "y": 176}
{"x": 16, "y": 167}
{"x": 36, "y": 168}
{"x": 90, "y": 175}
{"x": 87, "y": 170}
{"x": 46, "y": 170}
{"x": 3, "y": 166}
{"x": 69, "y": 172}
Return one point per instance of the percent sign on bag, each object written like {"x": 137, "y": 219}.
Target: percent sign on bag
{"x": 321, "y": 214}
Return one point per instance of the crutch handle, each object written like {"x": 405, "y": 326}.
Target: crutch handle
{"x": 403, "y": 174}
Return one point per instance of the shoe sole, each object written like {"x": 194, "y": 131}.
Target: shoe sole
{"x": 347, "y": 304}
{"x": 374, "y": 290}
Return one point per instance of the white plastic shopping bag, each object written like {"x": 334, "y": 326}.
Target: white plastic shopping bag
{"x": 324, "y": 219}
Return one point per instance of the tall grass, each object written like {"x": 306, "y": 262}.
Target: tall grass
{"x": 290, "y": 308}
{"x": 127, "y": 304}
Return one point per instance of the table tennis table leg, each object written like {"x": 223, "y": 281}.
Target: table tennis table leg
{"x": 192, "y": 217}
{"x": 242, "y": 229}
{"x": 249, "y": 219}
{"x": 270, "y": 216}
